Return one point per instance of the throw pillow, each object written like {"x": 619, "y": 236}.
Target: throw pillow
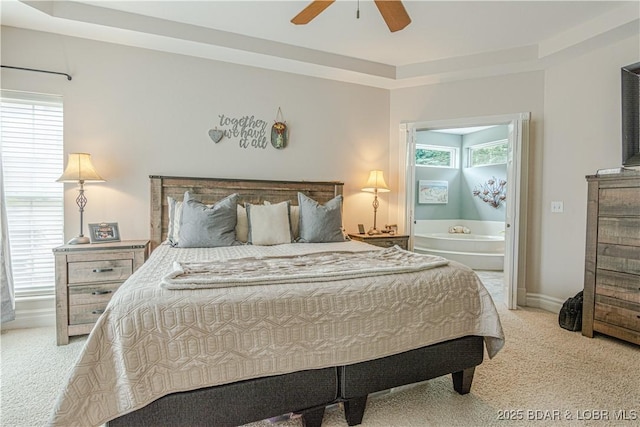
{"x": 269, "y": 224}
{"x": 204, "y": 226}
{"x": 320, "y": 223}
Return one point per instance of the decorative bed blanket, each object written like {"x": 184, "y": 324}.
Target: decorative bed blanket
{"x": 153, "y": 341}
{"x": 323, "y": 266}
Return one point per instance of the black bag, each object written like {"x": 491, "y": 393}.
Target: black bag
{"x": 570, "y": 316}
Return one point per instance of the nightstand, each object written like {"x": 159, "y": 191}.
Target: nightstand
{"x": 384, "y": 240}
{"x": 87, "y": 275}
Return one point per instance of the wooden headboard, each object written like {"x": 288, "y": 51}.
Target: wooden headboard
{"x": 211, "y": 190}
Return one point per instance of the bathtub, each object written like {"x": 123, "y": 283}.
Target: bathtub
{"x": 482, "y": 249}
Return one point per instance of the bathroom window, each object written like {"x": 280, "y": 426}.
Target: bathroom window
{"x": 436, "y": 156}
{"x": 490, "y": 153}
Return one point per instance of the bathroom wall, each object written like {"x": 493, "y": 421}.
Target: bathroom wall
{"x": 462, "y": 181}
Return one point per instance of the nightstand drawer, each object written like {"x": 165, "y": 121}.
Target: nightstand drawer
{"x": 86, "y": 313}
{"x": 91, "y": 294}
{"x": 99, "y": 271}
{"x": 384, "y": 240}
{"x": 389, "y": 242}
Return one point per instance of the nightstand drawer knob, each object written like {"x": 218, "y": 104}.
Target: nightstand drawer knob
{"x": 102, "y": 270}
{"x": 100, "y": 292}
{"x": 97, "y": 312}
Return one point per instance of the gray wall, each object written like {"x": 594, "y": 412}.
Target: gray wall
{"x": 574, "y": 132}
{"x": 141, "y": 112}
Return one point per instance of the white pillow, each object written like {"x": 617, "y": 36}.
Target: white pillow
{"x": 269, "y": 224}
{"x": 175, "y": 213}
{"x": 294, "y": 217}
{"x": 242, "y": 227}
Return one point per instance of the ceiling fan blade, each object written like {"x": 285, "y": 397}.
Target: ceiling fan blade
{"x": 311, "y": 11}
{"x": 394, "y": 14}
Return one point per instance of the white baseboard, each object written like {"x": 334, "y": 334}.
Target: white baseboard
{"x": 544, "y": 302}
{"x": 33, "y": 312}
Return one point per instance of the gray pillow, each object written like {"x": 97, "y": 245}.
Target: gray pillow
{"x": 203, "y": 226}
{"x": 320, "y": 223}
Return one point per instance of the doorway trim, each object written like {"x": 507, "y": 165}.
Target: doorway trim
{"x": 517, "y": 176}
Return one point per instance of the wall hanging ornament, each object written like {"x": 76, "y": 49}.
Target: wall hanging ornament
{"x": 216, "y": 135}
{"x": 279, "y": 132}
{"x": 493, "y": 192}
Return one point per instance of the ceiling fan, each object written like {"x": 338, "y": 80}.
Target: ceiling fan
{"x": 392, "y": 11}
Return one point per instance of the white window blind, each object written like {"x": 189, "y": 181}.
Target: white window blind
{"x": 32, "y": 158}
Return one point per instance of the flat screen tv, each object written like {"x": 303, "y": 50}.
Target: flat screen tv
{"x": 631, "y": 115}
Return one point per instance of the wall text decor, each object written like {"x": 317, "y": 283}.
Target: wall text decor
{"x": 250, "y": 131}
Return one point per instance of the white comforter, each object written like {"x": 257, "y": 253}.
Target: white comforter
{"x": 153, "y": 341}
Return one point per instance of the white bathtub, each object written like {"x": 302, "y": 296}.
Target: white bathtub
{"x": 481, "y": 249}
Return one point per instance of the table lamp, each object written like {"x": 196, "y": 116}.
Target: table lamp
{"x": 80, "y": 169}
{"x": 375, "y": 184}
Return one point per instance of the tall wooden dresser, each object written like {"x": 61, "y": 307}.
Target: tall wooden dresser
{"x": 612, "y": 259}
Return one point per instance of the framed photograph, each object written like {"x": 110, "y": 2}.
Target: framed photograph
{"x": 392, "y": 228}
{"x": 104, "y": 232}
{"x": 433, "y": 192}
{"x": 361, "y": 228}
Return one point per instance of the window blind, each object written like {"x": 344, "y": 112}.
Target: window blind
{"x": 31, "y": 131}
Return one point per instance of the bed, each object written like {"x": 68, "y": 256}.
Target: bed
{"x": 162, "y": 354}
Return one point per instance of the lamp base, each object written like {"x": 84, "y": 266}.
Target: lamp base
{"x": 79, "y": 240}
{"x": 373, "y": 231}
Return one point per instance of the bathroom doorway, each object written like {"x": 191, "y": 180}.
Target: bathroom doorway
{"x": 516, "y": 131}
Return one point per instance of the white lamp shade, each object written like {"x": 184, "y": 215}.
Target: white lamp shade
{"x": 376, "y": 182}
{"x": 80, "y": 169}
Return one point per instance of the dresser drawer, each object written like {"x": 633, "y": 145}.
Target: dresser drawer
{"x": 91, "y": 294}
{"x": 99, "y": 271}
{"x": 625, "y": 259}
{"x": 617, "y": 312}
{"x": 619, "y": 231}
{"x": 625, "y": 287}
{"x": 619, "y": 201}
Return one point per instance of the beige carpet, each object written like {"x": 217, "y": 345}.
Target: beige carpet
{"x": 542, "y": 368}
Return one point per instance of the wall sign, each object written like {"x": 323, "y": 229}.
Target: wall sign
{"x": 248, "y": 130}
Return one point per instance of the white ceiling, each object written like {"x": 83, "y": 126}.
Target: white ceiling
{"x": 446, "y": 40}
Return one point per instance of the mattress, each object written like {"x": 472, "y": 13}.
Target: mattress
{"x": 152, "y": 341}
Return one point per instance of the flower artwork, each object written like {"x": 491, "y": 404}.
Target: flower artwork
{"x": 493, "y": 192}
{"x": 279, "y": 135}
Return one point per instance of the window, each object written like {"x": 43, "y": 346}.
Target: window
{"x": 436, "y": 156}
{"x": 32, "y": 158}
{"x": 490, "y": 153}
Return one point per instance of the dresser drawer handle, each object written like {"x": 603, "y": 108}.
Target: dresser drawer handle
{"x": 102, "y": 270}
{"x": 100, "y": 292}
{"x": 97, "y": 312}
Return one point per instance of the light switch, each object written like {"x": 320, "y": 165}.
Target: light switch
{"x": 557, "y": 207}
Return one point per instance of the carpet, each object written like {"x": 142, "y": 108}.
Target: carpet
{"x": 544, "y": 375}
